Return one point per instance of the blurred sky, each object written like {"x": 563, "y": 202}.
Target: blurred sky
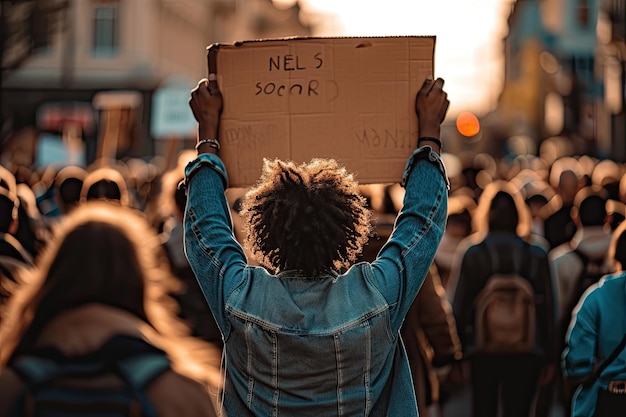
{"x": 469, "y": 45}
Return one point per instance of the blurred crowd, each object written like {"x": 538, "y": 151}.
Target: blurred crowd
{"x": 561, "y": 218}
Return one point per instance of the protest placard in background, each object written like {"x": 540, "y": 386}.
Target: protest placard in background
{"x": 351, "y": 99}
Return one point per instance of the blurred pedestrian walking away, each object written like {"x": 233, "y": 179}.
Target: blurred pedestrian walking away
{"x": 508, "y": 338}
{"x": 96, "y": 298}
{"x": 309, "y": 333}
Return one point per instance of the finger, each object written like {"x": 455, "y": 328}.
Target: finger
{"x": 427, "y": 85}
{"x": 212, "y": 51}
{"x": 198, "y": 86}
{"x": 437, "y": 84}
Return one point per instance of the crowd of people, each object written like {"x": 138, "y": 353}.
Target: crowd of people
{"x": 310, "y": 294}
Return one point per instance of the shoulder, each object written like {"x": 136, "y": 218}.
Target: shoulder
{"x": 607, "y": 293}
{"x": 536, "y": 249}
{"x": 472, "y": 245}
{"x": 613, "y": 285}
{"x": 175, "y": 394}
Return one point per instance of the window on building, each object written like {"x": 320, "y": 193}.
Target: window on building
{"x": 106, "y": 28}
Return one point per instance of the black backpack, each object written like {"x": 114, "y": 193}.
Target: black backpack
{"x": 107, "y": 383}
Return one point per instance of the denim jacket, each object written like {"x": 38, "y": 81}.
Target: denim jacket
{"x": 324, "y": 345}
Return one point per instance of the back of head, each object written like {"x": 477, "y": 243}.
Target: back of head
{"x": 590, "y": 206}
{"x": 69, "y": 182}
{"x": 502, "y": 208}
{"x": 105, "y": 184}
{"x": 100, "y": 254}
{"x": 503, "y": 214}
{"x": 569, "y": 184}
{"x": 309, "y": 217}
{"x": 100, "y": 248}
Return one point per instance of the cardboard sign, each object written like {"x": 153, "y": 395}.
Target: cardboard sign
{"x": 351, "y": 99}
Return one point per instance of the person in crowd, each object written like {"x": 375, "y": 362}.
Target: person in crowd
{"x": 507, "y": 378}
{"x": 458, "y": 227}
{"x": 27, "y": 225}
{"x": 68, "y": 184}
{"x": 100, "y": 282}
{"x": 304, "y": 333}
{"x": 595, "y": 331}
{"x": 105, "y": 183}
{"x": 558, "y": 226}
{"x": 14, "y": 259}
{"x": 586, "y": 251}
{"x": 580, "y": 262}
{"x": 10, "y": 246}
{"x": 432, "y": 343}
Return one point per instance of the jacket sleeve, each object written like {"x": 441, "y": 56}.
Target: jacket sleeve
{"x": 404, "y": 260}
{"x": 582, "y": 338}
{"x": 216, "y": 257}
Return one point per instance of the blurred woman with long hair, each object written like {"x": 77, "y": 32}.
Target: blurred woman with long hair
{"x": 102, "y": 276}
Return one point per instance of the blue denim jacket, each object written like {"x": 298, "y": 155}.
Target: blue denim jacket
{"x": 318, "y": 346}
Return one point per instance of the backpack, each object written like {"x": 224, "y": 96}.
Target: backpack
{"x": 505, "y": 312}
{"x": 107, "y": 383}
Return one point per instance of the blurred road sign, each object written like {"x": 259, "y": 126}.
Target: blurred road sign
{"x": 171, "y": 115}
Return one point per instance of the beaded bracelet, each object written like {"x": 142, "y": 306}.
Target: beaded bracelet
{"x": 426, "y": 138}
{"x": 213, "y": 143}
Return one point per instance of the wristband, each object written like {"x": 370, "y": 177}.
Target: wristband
{"x": 426, "y": 138}
{"x": 213, "y": 143}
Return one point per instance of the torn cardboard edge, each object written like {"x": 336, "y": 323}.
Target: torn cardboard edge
{"x": 298, "y": 98}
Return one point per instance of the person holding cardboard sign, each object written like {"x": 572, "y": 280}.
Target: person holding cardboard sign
{"x": 309, "y": 332}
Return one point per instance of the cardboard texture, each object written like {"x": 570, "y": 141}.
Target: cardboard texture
{"x": 351, "y": 99}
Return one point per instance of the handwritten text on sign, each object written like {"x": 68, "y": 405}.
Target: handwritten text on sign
{"x": 291, "y": 62}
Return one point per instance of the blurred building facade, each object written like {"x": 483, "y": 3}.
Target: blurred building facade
{"x": 564, "y": 76}
{"x": 90, "y": 92}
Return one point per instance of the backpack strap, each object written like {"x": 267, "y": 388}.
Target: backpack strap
{"x": 36, "y": 370}
{"x": 517, "y": 258}
{"x": 136, "y": 361}
{"x": 596, "y": 372}
{"x": 141, "y": 370}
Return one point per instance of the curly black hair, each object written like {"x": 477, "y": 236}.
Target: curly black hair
{"x": 310, "y": 217}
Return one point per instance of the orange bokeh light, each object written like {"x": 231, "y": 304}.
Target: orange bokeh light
{"x": 467, "y": 123}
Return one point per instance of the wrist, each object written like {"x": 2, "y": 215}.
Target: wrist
{"x": 431, "y": 132}
{"x": 434, "y": 143}
{"x": 207, "y": 131}
{"x": 208, "y": 145}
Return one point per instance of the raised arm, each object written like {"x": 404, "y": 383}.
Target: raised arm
{"x": 405, "y": 259}
{"x": 214, "y": 254}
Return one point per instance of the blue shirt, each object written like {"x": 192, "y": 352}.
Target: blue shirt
{"x": 319, "y": 346}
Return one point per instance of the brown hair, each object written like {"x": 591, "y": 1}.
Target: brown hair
{"x": 309, "y": 217}
{"x": 100, "y": 253}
